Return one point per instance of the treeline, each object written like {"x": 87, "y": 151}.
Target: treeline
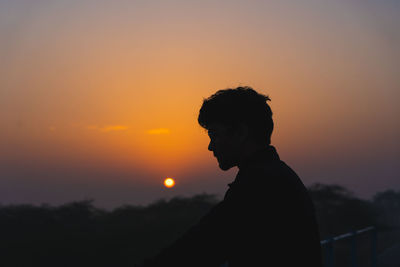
{"x": 79, "y": 234}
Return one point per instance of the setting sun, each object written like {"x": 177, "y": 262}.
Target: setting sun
{"x": 169, "y": 182}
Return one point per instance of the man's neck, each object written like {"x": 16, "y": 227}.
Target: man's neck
{"x": 250, "y": 150}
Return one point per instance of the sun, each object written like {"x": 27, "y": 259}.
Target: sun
{"x": 169, "y": 182}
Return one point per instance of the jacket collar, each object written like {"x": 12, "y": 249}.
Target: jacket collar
{"x": 260, "y": 156}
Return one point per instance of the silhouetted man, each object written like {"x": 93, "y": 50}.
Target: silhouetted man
{"x": 266, "y": 217}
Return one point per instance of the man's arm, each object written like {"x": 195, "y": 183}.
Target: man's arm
{"x": 203, "y": 245}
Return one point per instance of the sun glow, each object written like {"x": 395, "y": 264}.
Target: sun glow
{"x": 169, "y": 182}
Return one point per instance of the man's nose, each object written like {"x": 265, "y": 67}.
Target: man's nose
{"x": 210, "y": 146}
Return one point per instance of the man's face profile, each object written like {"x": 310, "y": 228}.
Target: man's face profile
{"x": 223, "y": 146}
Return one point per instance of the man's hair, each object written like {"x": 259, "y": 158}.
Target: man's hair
{"x": 240, "y": 105}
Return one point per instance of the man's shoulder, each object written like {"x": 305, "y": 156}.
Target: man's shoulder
{"x": 274, "y": 177}
{"x": 269, "y": 170}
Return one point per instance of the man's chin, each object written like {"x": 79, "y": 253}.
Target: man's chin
{"x": 224, "y": 167}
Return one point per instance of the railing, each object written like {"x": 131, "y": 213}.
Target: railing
{"x": 328, "y": 243}
{"x": 329, "y": 248}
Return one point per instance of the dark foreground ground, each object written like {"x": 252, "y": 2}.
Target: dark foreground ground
{"x": 79, "y": 234}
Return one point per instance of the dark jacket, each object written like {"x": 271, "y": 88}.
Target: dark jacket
{"x": 265, "y": 219}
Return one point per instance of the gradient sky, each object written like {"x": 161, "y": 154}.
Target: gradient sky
{"x": 99, "y": 99}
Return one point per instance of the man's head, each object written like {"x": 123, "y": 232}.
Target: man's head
{"x": 238, "y": 120}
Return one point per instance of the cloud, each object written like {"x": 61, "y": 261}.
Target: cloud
{"x": 107, "y": 128}
{"x": 159, "y": 131}
{"x": 114, "y": 128}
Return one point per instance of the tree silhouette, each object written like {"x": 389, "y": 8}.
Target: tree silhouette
{"x": 79, "y": 234}
{"x": 339, "y": 211}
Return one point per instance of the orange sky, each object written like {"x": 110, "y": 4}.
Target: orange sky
{"x": 101, "y": 97}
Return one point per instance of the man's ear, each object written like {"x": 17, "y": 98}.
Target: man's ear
{"x": 242, "y": 132}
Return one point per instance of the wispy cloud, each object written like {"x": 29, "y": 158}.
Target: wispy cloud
{"x": 107, "y": 128}
{"x": 158, "y": 131}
